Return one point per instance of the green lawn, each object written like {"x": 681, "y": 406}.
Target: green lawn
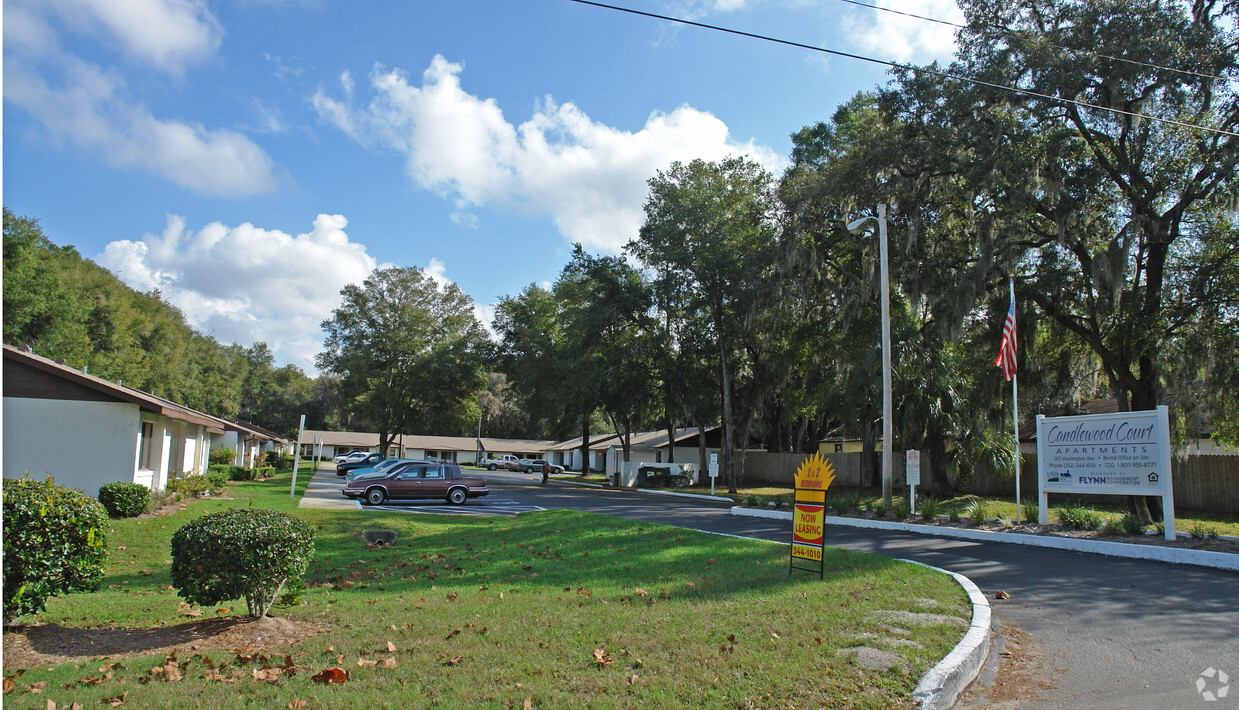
{"x": 553, "y": 609}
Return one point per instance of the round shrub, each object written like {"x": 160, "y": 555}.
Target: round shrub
{"x": 125, "y": 500}
{"x": 243, "y": 552}
{"x": 54, "y": 543}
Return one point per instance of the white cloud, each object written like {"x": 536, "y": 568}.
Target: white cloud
{"x": 900, "y": 38}
{"x": 588, "y": 177}
{"x": 86, "y": 105}
{"x": 246, "y": 284}
{"x": 168, "y": 34}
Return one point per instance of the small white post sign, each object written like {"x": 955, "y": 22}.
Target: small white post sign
{"x": 912, "y": 475}
{"x": 713, "y": 471}
{"x": 1127, "y": 453}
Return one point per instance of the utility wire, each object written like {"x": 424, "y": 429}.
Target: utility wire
{"x": 909, "y": 67}
{"x": 1012, "y": 33}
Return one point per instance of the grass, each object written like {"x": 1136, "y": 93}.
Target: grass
{"x": 549, "y": 609}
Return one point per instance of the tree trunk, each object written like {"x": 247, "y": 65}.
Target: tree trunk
{"x": 670, "y": 440}
{"x": 729, "y": 448}
{"x": 701, "y": 451}
{"x": 867, "y": 456}
{"x": 585, "y": 445}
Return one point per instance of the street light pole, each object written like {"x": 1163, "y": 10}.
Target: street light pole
{"x": 887, "y": 407}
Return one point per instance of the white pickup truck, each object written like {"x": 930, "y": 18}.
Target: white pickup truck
{"x": 507, "y": 461}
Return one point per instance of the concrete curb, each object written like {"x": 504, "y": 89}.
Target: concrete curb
{"x": 945, "y": 682}
{"x": 698, "y": 496}
{"x": 1173, "y": 555}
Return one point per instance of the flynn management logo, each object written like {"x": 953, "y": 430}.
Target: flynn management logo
{"x": 1213, "y": 685}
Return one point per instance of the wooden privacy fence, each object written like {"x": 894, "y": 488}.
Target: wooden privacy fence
{"x": 1204, "y": 483}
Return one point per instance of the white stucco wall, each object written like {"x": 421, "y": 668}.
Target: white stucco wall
{"x": 82, "y": 444}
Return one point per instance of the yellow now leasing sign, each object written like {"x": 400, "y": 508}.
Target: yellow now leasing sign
{"x": 813, "y": 477}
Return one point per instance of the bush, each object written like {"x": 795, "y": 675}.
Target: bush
{"x": 125, "y": 500}
{"x": 976, "y": 513}
{"x": 1077, "y": 517}
{"x": 54, "y": 543}
{"x": 218, "y": 478}
{"x": 223, "y": 456}
{"x": 243, "y": 552}
{"x": 188, "y": 485}
{"x": 262, "y": 472}
{"x": 930, "y": 507}
{"x": 901, "y": 508}
{"x": 241, "y": 473}
{"x": 1031, "y": 510}
{"x": 275, "y": 459}
{"x": 1126, "y": 525}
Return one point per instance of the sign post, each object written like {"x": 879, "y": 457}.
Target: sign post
{"x": 1127, "y": 453}
{"x": 292, "y": 492}
{"x": 809, "y": 518}
{"x": 713, "y": 471}
{"x": 912, "y": 474}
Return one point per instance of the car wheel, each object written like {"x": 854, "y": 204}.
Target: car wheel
{"x": 375, "y": 496}
{"x": 492, "y": 467}
{"x": 457, "y": 496}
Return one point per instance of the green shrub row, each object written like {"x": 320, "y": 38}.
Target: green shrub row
{"x": 125, "y": 500}
{"x": 243, "y": 552}
{"x": 54, "y": 543}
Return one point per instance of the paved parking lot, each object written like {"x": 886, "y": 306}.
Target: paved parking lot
{"x": 325, "y": 486}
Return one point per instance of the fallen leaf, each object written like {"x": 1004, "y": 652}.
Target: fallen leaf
{"x": 529, "y": 703}
{"x": 192, "y": 612}
{"x": 453, "y": 633}
{"x": 223, "y": 610}
{"x": 451, "y": 596}
{"x": 500, "y": 596}
{"x": 387, "y": 663}
{"x": 454, "y": 661}
{"x": 773, "y": 635}
{"x": 51, "y": 704}
{"x": 297, "y": 704}
{"x": 1002, "y": 595}
{"x": 391, "y": 647}
{"x": 366, "y": 663}
{"x": 639, "y": 592}
{"x": 9, "y": 684}
{"x": 632, "y": 679}
{"x": 332, "y": 676}
{"x": 601, "y": 658}
{"x": 118, "y": 700}
{"x": 38, "y": 687}
{"x": 121, "y": 547}
{"x": 710, "y": 561}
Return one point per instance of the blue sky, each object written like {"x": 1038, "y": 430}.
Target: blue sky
{"x": 251, "y": 157}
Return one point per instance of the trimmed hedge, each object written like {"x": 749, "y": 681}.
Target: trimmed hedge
{"x": 243, "y": 552}
{"x": 125, "y": 500}
{"x": 54, "y": 543}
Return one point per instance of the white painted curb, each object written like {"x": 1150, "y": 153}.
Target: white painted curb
{"x": 945, "y": 682}
{"x": 1174, "y": 555}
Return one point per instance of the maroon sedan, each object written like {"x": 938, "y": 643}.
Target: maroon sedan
{"x": 417, "y": 479}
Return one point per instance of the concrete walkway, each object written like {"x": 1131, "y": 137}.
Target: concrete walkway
{"x": 324, "y": 489}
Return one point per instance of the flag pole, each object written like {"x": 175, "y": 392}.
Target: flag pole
{"x": 1015, "y": 419}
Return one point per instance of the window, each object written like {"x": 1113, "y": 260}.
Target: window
{"x": 146, "y": 447}
{"x": 434, "y": 472}
{"x": 838, "y": 448}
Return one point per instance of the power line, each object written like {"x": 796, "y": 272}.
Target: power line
{"x": 909, "y": 67}
{"x": 1012, "y": 33}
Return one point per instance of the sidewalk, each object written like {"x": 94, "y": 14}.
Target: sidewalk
{"x": 324, "y": 490}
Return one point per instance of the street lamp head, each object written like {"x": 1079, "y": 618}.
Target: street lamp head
{"x": 860, "y": 226}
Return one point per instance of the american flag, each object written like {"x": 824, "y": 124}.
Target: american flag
{"x": 1006, "y": 352}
